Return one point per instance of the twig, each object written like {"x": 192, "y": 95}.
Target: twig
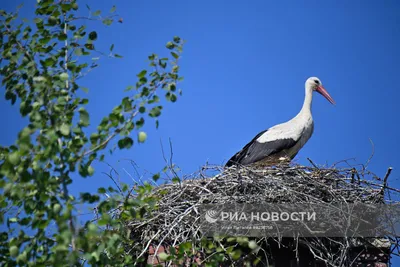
{"x": 389, "y": 170}
{"x": 371, "y": 156}
{"x": 312, "y": 163}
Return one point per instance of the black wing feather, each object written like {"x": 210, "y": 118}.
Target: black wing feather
{"x": 255, "y": 151}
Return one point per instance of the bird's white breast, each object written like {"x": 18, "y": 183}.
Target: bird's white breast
{"x": 292, "y": 129}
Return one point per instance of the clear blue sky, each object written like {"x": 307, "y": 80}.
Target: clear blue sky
{"x": 245, "y": 64}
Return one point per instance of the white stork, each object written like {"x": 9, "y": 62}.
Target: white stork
{"x": 283, "y": 141}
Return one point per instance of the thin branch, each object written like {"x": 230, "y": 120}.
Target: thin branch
{"x": 312, "y": 163}
{"x": 66, "y": 50}
{"x": 99, "y": 146}
{"x": 389, "y": 170}
{"x": 372, "y": 154}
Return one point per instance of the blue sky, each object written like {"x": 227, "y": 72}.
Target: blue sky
{"x": 245, "y": 64}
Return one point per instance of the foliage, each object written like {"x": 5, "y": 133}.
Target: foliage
{"x": 41, "y": 64}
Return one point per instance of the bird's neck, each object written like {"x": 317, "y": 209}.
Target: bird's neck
{"x": 306, "y": 109}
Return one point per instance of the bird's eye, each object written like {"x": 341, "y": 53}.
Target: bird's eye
{"x": 316, "y": 81}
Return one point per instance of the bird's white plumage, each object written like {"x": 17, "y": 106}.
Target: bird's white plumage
{"x": 291, "y": 129}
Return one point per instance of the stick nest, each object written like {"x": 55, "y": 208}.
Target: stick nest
{"x": 177, "y": 218}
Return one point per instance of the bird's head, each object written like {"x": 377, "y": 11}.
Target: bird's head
{"x": 315, "y": 84}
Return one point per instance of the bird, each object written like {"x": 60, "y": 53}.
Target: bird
{"x": 282, "y": 142}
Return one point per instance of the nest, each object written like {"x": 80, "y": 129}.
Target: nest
{"x": 177, "y": 218}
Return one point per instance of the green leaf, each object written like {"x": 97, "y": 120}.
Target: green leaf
{"x": 170, "y": 45}
{"x": 52, "y": 20}
{"x": 113, "y": 9}
{"x": 155, "y": 99}
{"x": 101, "y": 190}
{"x": 125, "y": 187}
{"x": 253, "y": 245}
{"x": 176, "y": 180}
{"x": 107, "y": 21}
{"x": 90, "y": 198}
{"x": 128, "y": 88}
{"x": 129, "y": 126}
{"x": 25, "y": 108}
{"x": 14, "y": 158}
{"x": 155, "y": 111}
{"x": 111, "y": 47}
{"x": 83, "y": 117}
{"x": 97, "y": 13}
{"x": 92, "y": 227}
{"x": 66, "y": 7}
{"x": 62, "y": 37}
{"x": 177, "y": 39}
{"x": 172, "y": 87}
{"x": 56, "y": 208}
{"x": 127, "y": 104}
{"x": 163, "y": 256}
{"x": 13, "y": 220}
{"x": 156, "y": 177}
{"x": 89, "y": 46}
{"x": 25, "y": 221}
{"x": 175, "y": 55}
{"x": 14, "y": 251}
{"x": 125, "y": 142}
{"x": 78, "y": 51}
{"x": 64, "y": 76}
{"x": 142, "y": 74}
{"x": 90, "y": 170}
{"x": 173, "y": 98}
{"x": 93, "y": 36}
{"x": 186, "y": 246}
{"x": 142, "y": 136}
{"x": 37, "y": 20}
{"x": 65, "y": 129}
{"x": 22, "y": 257}
{"x": 49, "y": 62}
{"x": 236, "y": 254}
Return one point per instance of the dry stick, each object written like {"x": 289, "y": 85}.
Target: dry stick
{"x": 109, "y": 175}
{"x": 176, "y": 221}
{"x": 353, "y": 172}
{"x": 312, "y": 163}
{"x": 389, "y": 170}
{"x": 358, "y": 177}
{"x": 148, "y": 243}
{"x": 377, "y": 185}
{"x": 371, "y": 156}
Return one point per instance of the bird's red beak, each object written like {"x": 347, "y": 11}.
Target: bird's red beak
{"x": 322, "y": 91}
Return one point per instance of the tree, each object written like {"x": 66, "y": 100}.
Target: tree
{"x": 41, "y": 64}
